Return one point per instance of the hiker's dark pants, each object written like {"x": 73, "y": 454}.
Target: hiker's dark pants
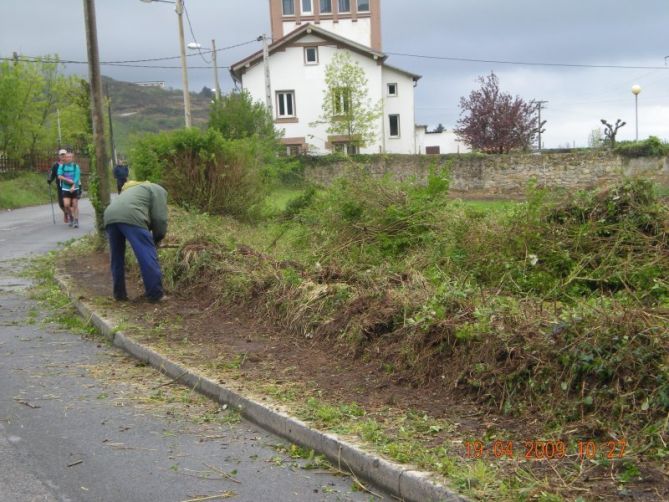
{"x": 142, "y": 244}
{"x": 119, "y": 184}
{"x": 61, "y": 204}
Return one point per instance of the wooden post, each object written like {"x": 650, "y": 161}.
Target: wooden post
{"x": 268, "y": 84}
{"x": 184, "y": 70}
{"x": 95, "y": 83}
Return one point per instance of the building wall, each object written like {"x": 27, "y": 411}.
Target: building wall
{"x": 358, "y": 32}
{"x": 362, "y": 27}
{"x": 288, "y": 72}
{"x": 402, "y": 105}
{"x": 447, "y": 141}
{"x": 507, "y": 175}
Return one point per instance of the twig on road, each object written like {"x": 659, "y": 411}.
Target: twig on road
{"x": 224, "y": 495}
{"x": 224, "y": 474}
{"x": 173, "y": 381}
{"x": 26, "y": 403}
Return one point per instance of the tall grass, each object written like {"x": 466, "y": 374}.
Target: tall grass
{"x": 25, "y": 189}
{"x": 555, "y": 300}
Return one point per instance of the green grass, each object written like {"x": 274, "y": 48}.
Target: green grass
{"x": 26, "y": 189}
{"x": 279, "y": 198}
{"x": 662, "y": 191}
{"x": 491, "y": 206}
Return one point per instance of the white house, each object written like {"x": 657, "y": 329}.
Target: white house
{"x": 438, "y": 141}
{"x": 306, "y": 35}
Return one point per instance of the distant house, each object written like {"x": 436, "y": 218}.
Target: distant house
{"x": 306, "y": 35}
{"x": 151, "y": 83}
{"x": 438, "y": 141}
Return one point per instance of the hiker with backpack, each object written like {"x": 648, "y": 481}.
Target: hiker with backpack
{"x": 53, "y": 176}
{"x": 121, "y": 172}
{"x": 69, "y": 175}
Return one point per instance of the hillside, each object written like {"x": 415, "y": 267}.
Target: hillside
{"x": 137, "y": 109}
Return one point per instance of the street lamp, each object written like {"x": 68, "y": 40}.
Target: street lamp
{"x": 196, "y": 46}
{"x": 636, "y": 89}
{"x": 179, "y": 9}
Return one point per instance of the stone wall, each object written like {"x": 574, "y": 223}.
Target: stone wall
{"x": 503, "y": 174}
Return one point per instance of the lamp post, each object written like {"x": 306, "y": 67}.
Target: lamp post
{"x": 636, "y": 89}
{"x": 179, "y": 9}
{"x": 196, "y": 46}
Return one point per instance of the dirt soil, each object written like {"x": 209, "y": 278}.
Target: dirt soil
{"x": 265, "y": 354}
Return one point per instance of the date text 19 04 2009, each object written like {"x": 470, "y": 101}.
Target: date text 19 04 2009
{"x": 544, "y": 450}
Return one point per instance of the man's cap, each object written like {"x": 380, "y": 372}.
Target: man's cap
{"x": 62, "y": 151}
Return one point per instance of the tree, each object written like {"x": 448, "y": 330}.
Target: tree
{"x": 610, "y": 131}
{"x": 347, "y": 109}
{"x": 207, "y": 92}
{"x": 595, "y": 138}
{"x": 32, "y": 93}
{"x": 237, "y": 116}
{"x": 495, "y": 122}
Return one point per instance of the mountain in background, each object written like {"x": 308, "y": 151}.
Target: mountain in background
{"x": 138, "y": 109}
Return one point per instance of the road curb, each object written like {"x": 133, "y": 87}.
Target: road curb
{"x": 400, "y": 481}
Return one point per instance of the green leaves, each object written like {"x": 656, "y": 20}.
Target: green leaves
{"x": 347, "y": 109}
{"x": 32, "y": 94}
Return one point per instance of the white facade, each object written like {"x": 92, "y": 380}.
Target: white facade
{"x": 306, "y": 36}
{"x": 398, "y": 101}
{"x": 358, "y": 32}
{"x": 300, "y": 115}
{"x": 438, "y": 142}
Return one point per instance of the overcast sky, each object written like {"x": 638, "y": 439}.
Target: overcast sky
{"x": 588, "y": 32}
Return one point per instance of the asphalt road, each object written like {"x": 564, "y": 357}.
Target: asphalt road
{"x": 72, "y": 429}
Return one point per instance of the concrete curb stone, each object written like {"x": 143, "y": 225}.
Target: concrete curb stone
{"x": 400, "y": 481}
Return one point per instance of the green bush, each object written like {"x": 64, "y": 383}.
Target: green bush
{"x": 205, "y": 171}
{"x": 613, "y": 241}
{"x": 374, "y": 217}
{"x": 651, "y": 147}
{"x": 236, "y": 116}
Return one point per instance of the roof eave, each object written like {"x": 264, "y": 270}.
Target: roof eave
{"x": 238, "y": 68}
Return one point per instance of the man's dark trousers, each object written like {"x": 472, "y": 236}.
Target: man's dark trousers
{"x": 142, "y": 244}
{"x": 120, "y": 183}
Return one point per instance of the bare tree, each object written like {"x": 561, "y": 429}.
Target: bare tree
{"x": 610, "y": 131}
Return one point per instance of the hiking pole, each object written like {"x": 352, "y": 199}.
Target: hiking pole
{"x": 53, "y": 213}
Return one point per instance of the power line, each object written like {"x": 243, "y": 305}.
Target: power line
{"x": 28, "y": 59}
{"x": 20, "y": 59}
{"x": 527, "y": 63}
{"x": 190, "y": 27}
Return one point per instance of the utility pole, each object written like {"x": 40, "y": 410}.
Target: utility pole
{"x": 95, "y": 82}
{"x": 213, "y": 58}
{"x": 268, "y": 85}
{"x": 111, "y": 128}
{"x": 540, "y": 129}
{"x": 184, "y": 72}
{"x": 60, "y": 137}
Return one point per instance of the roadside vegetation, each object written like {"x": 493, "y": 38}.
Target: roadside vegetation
{"x": 24, "y": 189}
{"x": 557, "y": 300}
{"x": 551, "y": 314}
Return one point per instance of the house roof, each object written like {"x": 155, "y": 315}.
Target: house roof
{"x": 400, "y": 70}
{"x": 238, "y": 69}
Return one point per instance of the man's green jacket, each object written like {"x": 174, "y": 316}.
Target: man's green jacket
{"x": 143, "y": 205}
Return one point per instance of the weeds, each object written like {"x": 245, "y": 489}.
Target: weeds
{"x": 25, "y": 189}
{"x": 553, "y": 310}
